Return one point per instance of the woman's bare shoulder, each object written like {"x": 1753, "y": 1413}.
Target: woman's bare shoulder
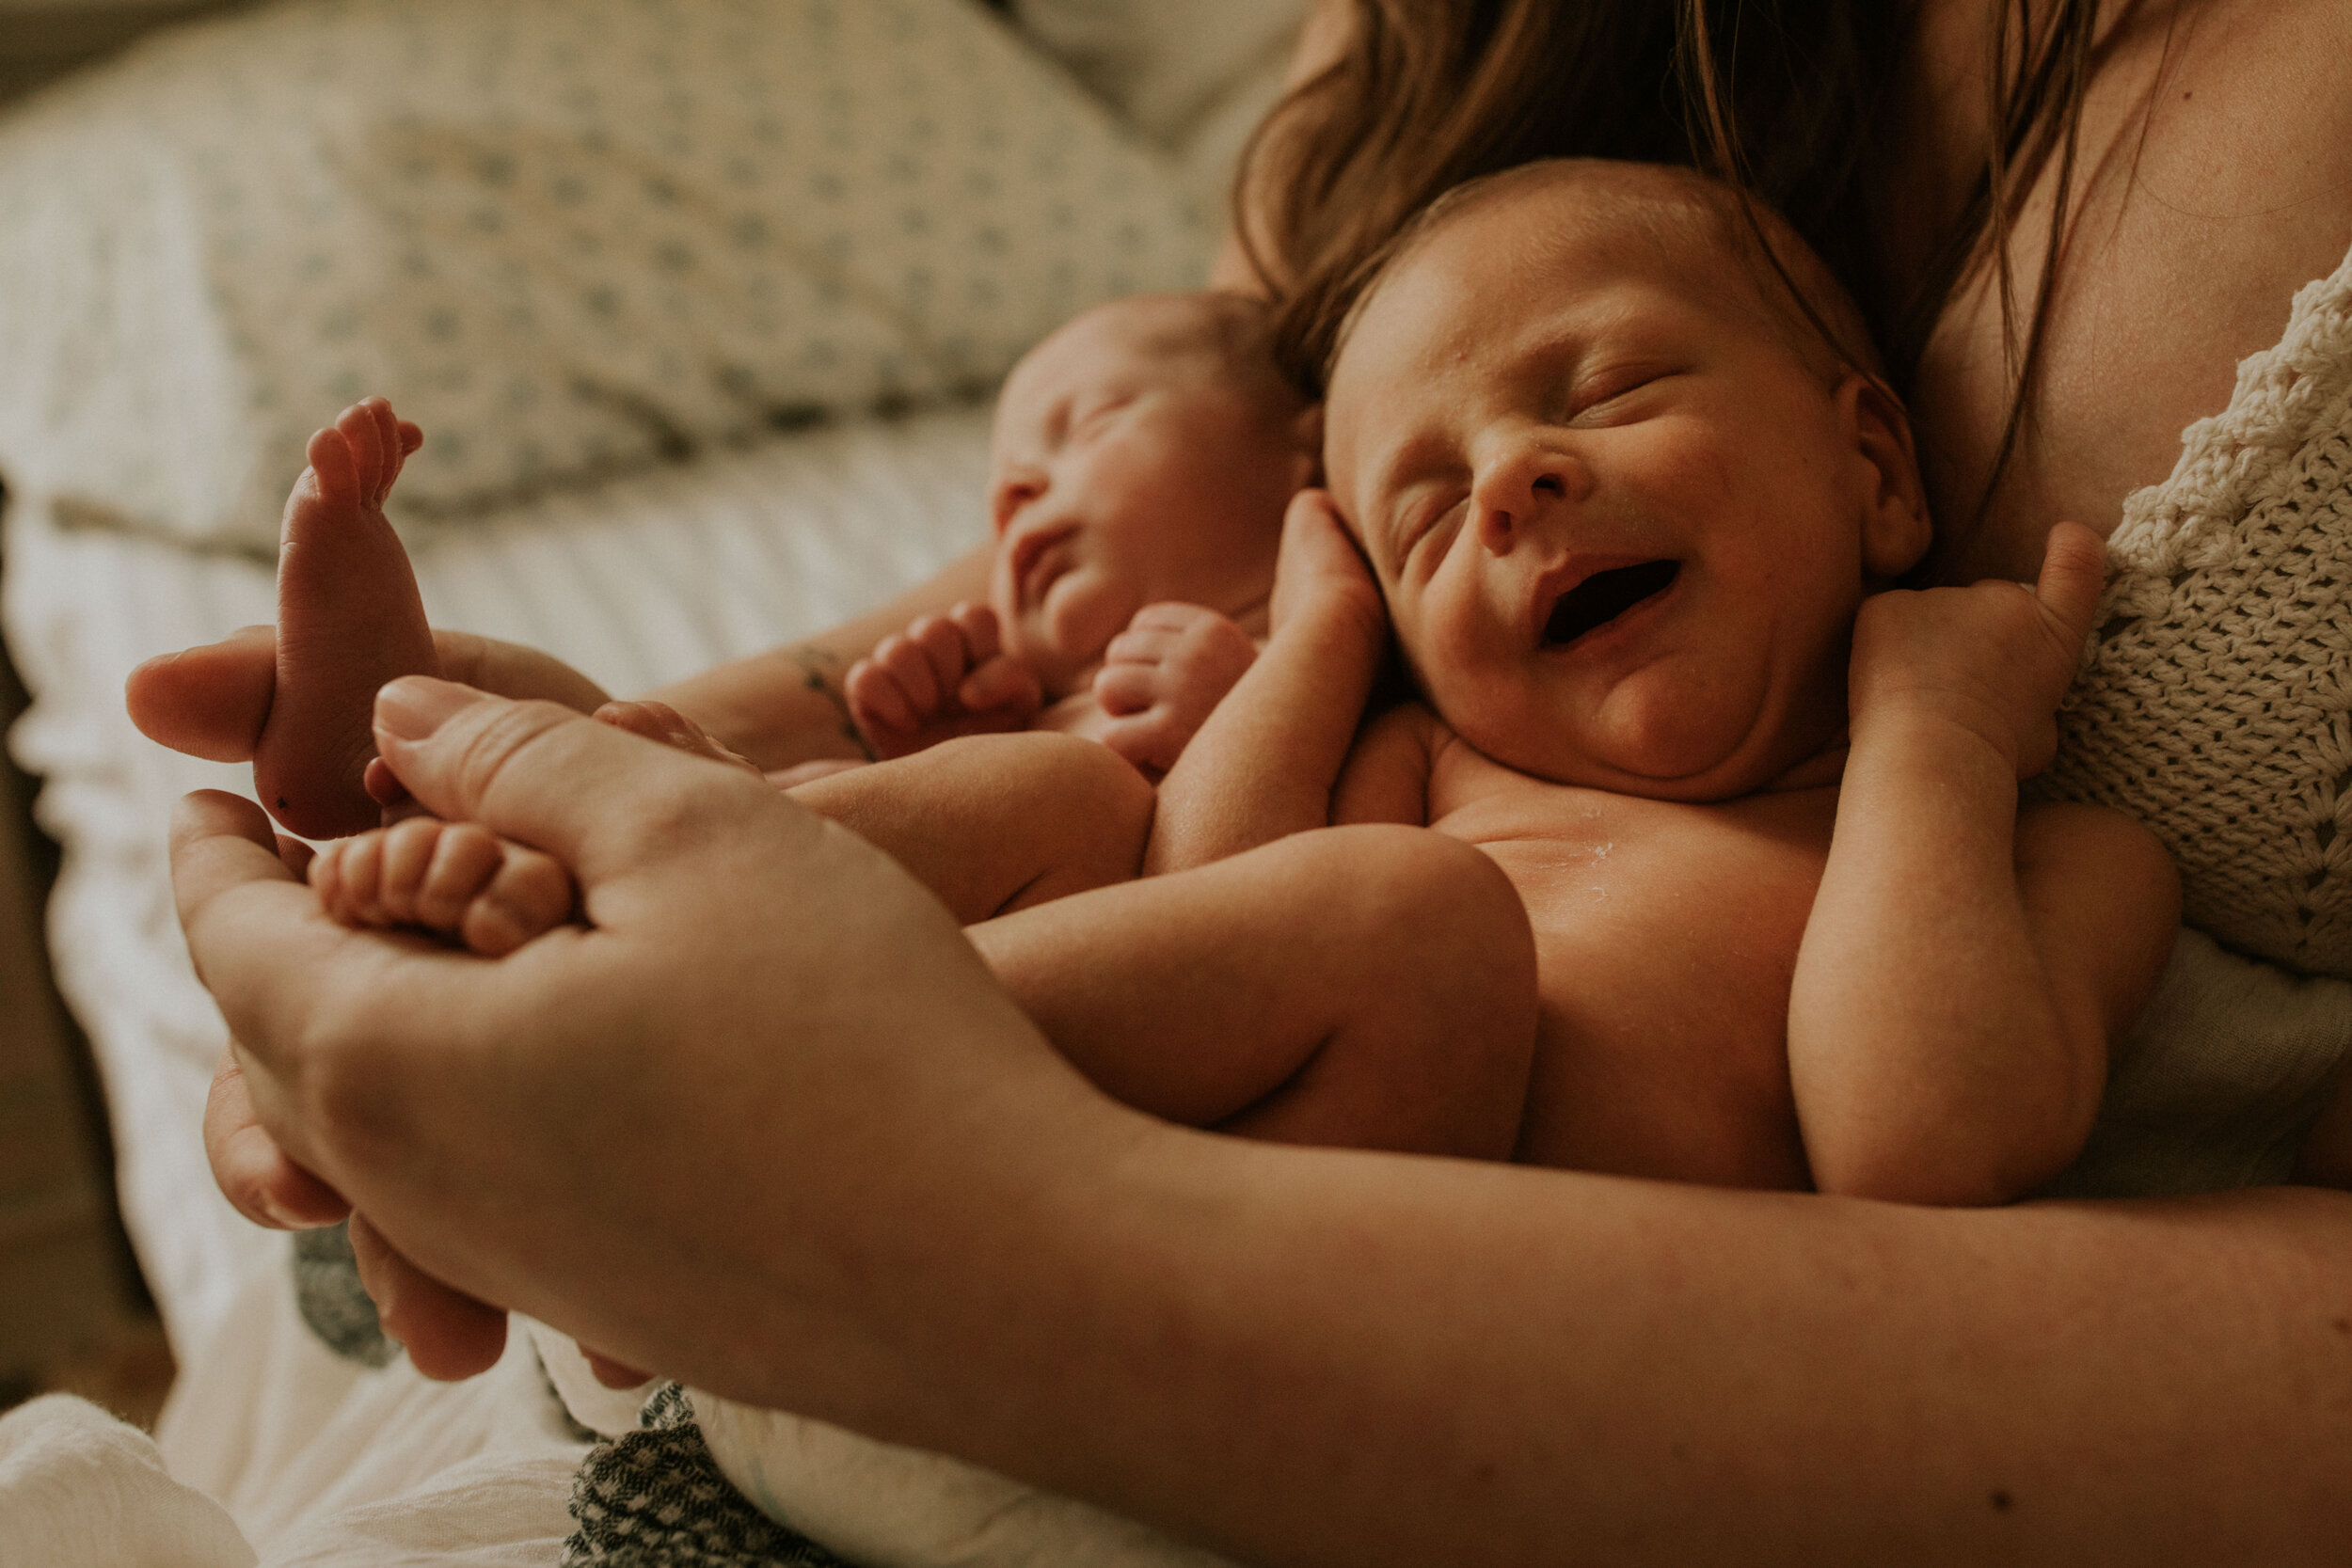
{"x": 2214, "y": 180}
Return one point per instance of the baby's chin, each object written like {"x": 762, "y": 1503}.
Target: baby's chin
{"x": 1696, "y": 767}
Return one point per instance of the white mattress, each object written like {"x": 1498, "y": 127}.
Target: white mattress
{"x": 635, "y": 583}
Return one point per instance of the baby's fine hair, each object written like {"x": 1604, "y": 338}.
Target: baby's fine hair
{"x": 1795, "y": 291}
{"x": 1233, "y": 333}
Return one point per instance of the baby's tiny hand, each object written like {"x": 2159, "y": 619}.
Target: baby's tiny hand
{"x": 944, "y": 677}
{"x": 1163, "y": 676}
{"x": 660, "y": 721}
{"x": 1319, "y": 564}
{"x": 456, "y": 879}
{"x": 1994, "y": 658}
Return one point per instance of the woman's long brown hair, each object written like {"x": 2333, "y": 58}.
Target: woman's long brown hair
{"x": 1788, "y": 101}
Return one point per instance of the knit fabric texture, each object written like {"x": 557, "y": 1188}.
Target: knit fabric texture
{"x": 2215, "y": 700}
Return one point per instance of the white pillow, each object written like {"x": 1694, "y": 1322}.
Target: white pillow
{"x": 568, "y": 236}
{"x": 1166, "y": 65}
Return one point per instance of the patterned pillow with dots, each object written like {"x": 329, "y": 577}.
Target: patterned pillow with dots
{"x": 569, "y": 237}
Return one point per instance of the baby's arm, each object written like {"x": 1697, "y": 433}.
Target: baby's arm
{"x": 944, "y": 677}
{"x": 1267, "y": 760}
{"x": 1965, "y": 966}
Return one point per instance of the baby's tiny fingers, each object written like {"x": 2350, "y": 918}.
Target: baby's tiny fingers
{"x": 1141, "y": 645}
{"x": 1167, "y": 615}
{"x": 982, "y": 635}
{"x": 910, "y": 665}
{"x": 2074, "y": 570}
{"x": 1125, "y": 688}
{"x": 1001, "y": 683}
{"x": 943, "y": 645}
{"x": 874, "y": 698}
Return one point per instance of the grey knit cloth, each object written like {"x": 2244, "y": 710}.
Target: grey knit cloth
{"x": 654, "y": 1498}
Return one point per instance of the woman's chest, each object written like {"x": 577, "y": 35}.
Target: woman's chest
{"x": 2213, "y": 179}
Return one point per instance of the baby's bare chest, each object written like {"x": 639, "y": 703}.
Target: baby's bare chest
{"x": 1667, "y": 936}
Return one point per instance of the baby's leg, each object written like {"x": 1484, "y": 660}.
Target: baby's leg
{"x": 457, "y": 879}
{"x": 997, "y": 822}
{"x": 1366, "y": 987}
{"x": 348, "y": 620}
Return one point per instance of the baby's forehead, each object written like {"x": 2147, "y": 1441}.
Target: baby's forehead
{"x": 1117, "y": 344}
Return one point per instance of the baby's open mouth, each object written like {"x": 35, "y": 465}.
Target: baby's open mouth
{"x": 1605, "y": 595}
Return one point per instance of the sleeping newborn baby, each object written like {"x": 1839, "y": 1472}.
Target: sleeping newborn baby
{"x": 1140, "y": 460}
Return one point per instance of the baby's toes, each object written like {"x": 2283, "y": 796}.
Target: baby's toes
{"x": 334, "y": 470}
{"x": 531, "y": 893}
{"x": 405, "y": 861}
{"x": 346, "y": 875}
{"x": 361, "y": 426}
{"x": 464, "y": 859}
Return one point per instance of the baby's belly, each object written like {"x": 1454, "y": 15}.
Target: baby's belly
{"x": 1664, "y": 976}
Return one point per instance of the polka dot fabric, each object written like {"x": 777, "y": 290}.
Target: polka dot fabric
{"x": 570, "y": 237}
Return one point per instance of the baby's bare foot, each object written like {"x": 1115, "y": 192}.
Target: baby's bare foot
{"x": 348, "y": 620}
{"x": 457, "y": 879}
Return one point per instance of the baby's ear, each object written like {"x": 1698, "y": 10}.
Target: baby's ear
{"x": 1895, "y": 529}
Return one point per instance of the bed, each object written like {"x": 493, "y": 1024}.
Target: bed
{"x": 700, "y": 301}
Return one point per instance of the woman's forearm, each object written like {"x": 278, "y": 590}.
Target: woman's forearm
{"x": 1317, "y": 1358}
{"x": 786, "y": 705}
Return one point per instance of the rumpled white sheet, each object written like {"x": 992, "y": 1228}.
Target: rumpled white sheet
{"x": 274, "y": 1453}
{"x": 80, "y": 1489}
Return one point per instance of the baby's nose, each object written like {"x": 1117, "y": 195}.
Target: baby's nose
{"x": 1013, "y": 490}
{"x": 1523, "y": 482}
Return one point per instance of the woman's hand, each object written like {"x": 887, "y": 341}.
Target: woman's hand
{"x": 580, "y": 1129}
{"x": 212, "y": 701}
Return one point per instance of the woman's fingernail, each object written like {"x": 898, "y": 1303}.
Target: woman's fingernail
{"x": 413, "y": 706}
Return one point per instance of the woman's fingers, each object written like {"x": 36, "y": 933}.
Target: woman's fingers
{"x": 550, "y": 778}
{"x": 447, "y": 1334}
{"x": 209, "y": 702}
{"x": 254, "y": 1174}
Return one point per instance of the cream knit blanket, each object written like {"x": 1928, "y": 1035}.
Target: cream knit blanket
{"x": 2215, "y": 702}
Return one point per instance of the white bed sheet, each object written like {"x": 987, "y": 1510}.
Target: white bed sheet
{"x": 636, "y": 583}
